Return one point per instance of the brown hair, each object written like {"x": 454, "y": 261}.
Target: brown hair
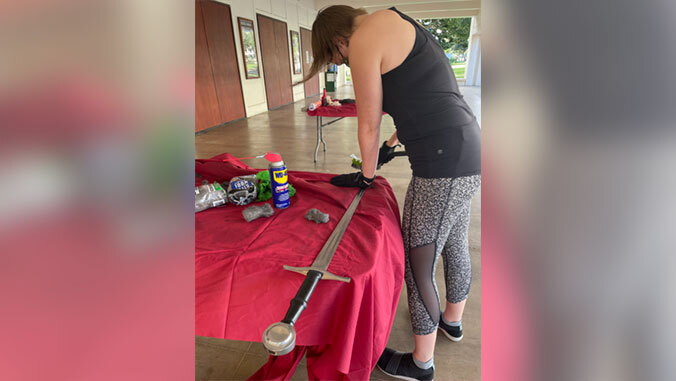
{"x": 331, "y": 22}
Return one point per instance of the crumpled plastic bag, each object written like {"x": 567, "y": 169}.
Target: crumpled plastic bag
{"x": 209, "y": 196}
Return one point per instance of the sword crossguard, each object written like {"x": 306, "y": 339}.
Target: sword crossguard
{"x": 325, "y": 274}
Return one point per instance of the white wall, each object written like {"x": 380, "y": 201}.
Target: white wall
{"x": 295, "y": 13}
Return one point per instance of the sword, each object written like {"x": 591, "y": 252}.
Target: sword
{"x": 280, "y": 338}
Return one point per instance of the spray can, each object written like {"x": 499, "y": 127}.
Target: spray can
{"x": 313, "y": 106}
{"x": 279, "y": 182}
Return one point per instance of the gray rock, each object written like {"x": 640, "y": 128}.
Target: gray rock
{"x": 253, "y": 212}
{"x": 317, "y": 216}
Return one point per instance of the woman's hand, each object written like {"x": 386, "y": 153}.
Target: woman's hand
{"x": 385, "y": 154}
{"x": 355, "y": 179}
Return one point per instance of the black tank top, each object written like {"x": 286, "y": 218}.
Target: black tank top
{"x": 433, "y": 121}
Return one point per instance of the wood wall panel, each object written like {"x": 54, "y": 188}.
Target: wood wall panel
{"x": 275, "y": 59}
{"x": 219, "y": 32}
{"x": 266, "y": 32}
{"x": 207, "y": 113}
{"x": 312, "y": 85}
{"x": 218, "y": 90}
{"x": 282, "y": 35}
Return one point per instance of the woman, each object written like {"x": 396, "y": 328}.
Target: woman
{"x": 398, "y": 67}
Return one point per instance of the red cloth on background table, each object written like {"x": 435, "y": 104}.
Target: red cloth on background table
{"x": 347, "y": 109}
{"x": 241, "y": 287}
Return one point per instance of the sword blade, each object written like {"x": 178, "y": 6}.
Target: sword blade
{"x": 326, "y": 254}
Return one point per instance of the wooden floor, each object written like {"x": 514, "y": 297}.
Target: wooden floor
{"x": 292, "y": 133}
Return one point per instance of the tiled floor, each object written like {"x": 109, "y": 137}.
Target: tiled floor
{"x": 292, "y": 133}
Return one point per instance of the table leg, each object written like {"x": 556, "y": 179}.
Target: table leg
{"x": 319, "y": 135}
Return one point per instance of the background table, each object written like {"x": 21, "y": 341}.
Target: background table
{"x": 338, "y": 112}
{"x": 241, "y": 288}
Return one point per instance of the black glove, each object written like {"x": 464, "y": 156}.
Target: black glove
{"x": 355, "y": 179}
{"x": 385, "y": 154}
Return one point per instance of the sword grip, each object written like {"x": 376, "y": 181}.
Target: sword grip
{"x": 299, "y": 302}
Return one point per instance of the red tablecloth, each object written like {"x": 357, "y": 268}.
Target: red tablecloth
{"x": 241, "y": 288}
{"x": 347, "y": 109}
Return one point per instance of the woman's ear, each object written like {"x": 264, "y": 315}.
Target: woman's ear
{"x": 337, "y": 42}
{"x": 340, "y": 40}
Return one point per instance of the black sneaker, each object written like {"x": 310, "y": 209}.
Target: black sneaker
{"x": 400, "y": 365}
{"x": 453, "y": 333}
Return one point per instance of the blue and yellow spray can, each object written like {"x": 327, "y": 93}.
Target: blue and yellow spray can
{"x": 279, "y": 182}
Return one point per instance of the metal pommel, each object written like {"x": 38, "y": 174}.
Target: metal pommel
{"x": 279, "y": 338}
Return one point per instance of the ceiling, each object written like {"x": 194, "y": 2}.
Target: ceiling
{"x": 417, "y": 9}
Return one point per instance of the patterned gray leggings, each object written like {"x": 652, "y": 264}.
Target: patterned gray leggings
{"x": 436, "y": 221}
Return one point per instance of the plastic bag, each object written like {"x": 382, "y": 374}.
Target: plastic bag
{"x": 209, "y": 196}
